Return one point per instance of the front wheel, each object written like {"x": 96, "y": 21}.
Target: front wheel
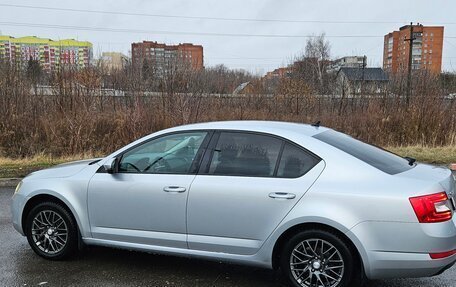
{"x": 317, "y": 258}
{"x": 51, "y": 231}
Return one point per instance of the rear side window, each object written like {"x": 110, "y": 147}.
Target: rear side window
{"x": 245, "y": 154}
{"x": 295, "y": 162}
{"x": 374, "y": 156}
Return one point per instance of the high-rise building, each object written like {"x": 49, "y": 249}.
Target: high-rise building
{"x": 426, "y": 50}
{"x": 52, "y": 55}
{"x": 113, "y": 60}
{"x": 347, "y": 62}
{"x": 161, "y": 56}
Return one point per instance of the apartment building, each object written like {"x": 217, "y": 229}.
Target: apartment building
{"x": 52, "y": 55}
{"x": 347, "y": 62}
{"x": 161, "y": 56}
{"x": 426, "y": 50}
{"x": 113, "y": 61}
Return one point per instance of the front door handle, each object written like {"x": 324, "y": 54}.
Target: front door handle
{"x": 174, "y": 189}
{"x": 282, "y": 195}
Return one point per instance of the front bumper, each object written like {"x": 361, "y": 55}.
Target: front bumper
{"x": 17, "y": 206}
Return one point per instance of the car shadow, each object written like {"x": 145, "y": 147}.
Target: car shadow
{"x": 103, "y": 266}
{"x": 115, "y": 267}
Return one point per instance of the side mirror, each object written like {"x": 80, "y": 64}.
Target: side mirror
{"x": 110, "y": 165}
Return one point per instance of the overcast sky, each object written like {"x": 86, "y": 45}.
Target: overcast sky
{"x": 253, "y": 53}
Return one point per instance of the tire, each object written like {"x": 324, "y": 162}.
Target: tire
{"x": 51, "y": 231}
{"x": 314, "y": 266}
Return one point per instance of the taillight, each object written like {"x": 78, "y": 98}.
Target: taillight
{"x": 442, "y": 255}
{"x": 432, "y": 208}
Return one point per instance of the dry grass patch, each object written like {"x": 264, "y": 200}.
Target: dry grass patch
{"x": 437, "y": 155}
{"x": 10, "y": 168}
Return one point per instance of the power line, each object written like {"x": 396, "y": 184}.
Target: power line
{"x": 163, "y": 32}
{"x": 202, "y": 17}
{"x": 118, "y": 30}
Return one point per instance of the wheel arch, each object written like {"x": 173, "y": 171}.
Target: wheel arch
{"x": 288, "y": 233}
{"x": 46, "y": 197}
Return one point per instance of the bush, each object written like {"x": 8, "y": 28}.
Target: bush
{"x": 74, "y": 113}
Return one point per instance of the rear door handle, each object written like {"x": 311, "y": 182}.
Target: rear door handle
{"x": 282, "y": 195}
{"x": 177, "y": 189}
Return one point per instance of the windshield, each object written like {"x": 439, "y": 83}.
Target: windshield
{"x": 374, "y": 156}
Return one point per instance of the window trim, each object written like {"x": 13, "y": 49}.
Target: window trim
{"x": 194, "y": 167}
{"x": 279, "y": 159}
{"x": 207, "y": 158}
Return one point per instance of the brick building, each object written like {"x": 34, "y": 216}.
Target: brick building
{"x": 279, "y": 73}
{"x": 162, "y": 56}
{"x": 426, "y": 51}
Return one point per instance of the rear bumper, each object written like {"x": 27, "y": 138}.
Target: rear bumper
{"x": 398, "y": 249}
{"x": 396, "y": 265}
{"x": 445, "y": 268}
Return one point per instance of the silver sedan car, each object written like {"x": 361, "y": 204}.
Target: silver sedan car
{"x": 325, "y": 208}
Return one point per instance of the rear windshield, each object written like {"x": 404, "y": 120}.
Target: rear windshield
{"x": 374, "y": 156}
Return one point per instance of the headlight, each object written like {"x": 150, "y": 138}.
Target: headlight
{"x": 18, "y": 186}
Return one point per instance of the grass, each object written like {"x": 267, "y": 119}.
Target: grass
{"x": 21, "y": 167}
{"x": 436, "y": 155}
{"x": 10, "y": 168}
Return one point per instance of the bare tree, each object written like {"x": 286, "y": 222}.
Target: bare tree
{"x": 318, "y": 48}
{"x": 313, "y": 64}
{"x": 80, "y": 113}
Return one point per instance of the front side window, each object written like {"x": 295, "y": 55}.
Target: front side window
{"x": 173, "y": 153}
{"x": 245, "y": 154}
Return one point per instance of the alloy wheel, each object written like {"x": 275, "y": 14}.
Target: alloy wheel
{"x": 49, "y": 232}
{"x": 316, "y": 263}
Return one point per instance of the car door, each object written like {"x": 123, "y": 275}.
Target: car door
{"x": 246, "y": 186}
{"x": 144, "y": 200}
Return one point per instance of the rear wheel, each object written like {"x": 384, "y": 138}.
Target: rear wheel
{"x": 51, "y": 231}
{"x": 317, "y": 258}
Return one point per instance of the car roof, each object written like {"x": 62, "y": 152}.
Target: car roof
{"x": 257, "y": 126}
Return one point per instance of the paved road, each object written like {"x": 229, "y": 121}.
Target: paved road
{"x": 19, "y": 266}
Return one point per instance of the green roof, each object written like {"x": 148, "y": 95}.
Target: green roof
{"x": 45, "y": 41}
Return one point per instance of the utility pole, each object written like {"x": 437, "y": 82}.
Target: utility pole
{"x": 362, "y": 80}
{"x": 409, "y": 76}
